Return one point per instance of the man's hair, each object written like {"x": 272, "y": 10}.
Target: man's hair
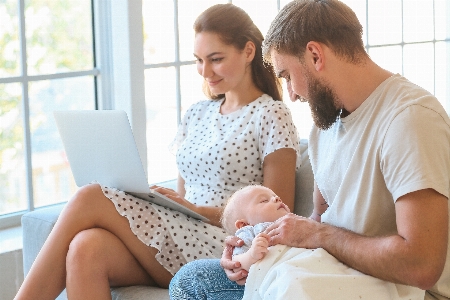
{"x": 330, "y": 22}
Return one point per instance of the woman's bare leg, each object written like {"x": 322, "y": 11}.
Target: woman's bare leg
{"x": 88, "y": 209}
{"x": 97, "y": 260}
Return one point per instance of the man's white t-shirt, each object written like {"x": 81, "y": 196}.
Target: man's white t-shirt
{"x": 396, "y": 142}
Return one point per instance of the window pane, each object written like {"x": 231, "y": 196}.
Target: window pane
{"x": 418, "y": 65}
{"x": 385, "y": 22}
{"x": 417, "y": 20}
{"x": 262, "y": 15}
{"x": 191, "y": 87}
{"x": 9, "y": 39}
{"x": 301, "y": 114}
{"x": 52, "y": 177}
{"x": 13, "y": 195}
{"x": 389, "y": 58}
{"x": 442, "y": 19}
{"x": 188, "y": 11}
{"x": 59, "y": 36}
{"x": 443, "y": 74}
{"x": 159, "y": 37}
{"x": 161, "y": 111}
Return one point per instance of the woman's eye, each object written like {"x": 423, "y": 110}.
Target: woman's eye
{"x": 216, "y": 59}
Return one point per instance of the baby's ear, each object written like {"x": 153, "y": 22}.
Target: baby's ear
{"x": 240, "y": 223}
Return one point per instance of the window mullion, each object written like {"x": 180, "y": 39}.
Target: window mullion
{"x": 25, "y": 106}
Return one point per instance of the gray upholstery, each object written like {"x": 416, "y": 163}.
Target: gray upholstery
{"x": 38, "y": 224}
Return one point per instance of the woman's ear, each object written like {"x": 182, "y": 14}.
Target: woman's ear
{"x": 240, "y": 223}
{"x": 250, "y": 50}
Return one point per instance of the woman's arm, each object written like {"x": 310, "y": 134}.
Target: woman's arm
{"x": 279, "y": 174}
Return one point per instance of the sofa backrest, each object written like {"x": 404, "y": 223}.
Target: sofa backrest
{"x": 304, "y": 183}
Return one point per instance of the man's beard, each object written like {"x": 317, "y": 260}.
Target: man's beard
{"x": 323, "y": 103}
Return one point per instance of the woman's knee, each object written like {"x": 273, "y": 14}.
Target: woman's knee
{"x": 85, "y": 205}
{"x": 87, "y": 252}
{"x": 86, "y": 193}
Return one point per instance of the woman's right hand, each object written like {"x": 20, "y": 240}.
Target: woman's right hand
{"x": 228, "y": 265}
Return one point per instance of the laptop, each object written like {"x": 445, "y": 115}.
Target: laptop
{"x": 100, "y": 147}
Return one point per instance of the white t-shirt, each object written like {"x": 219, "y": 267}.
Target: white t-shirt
{"x": 396, "y": 142}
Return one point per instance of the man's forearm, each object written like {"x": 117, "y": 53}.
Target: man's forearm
{"x": 391, "y": 258}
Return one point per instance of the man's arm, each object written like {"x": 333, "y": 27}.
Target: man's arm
{"x": 414, "y": 256}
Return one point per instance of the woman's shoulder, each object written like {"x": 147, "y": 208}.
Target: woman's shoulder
{"x": 268, "y": 105}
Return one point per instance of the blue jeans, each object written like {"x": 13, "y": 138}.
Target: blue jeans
{"x": 204, "y": 280}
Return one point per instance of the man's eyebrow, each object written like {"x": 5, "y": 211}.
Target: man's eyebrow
{"x": 209, "y": 55}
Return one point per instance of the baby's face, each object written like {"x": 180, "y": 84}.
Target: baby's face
{"x": 262, "y": 205}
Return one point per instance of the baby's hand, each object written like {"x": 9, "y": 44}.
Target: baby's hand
{"x": 260, "y": 246}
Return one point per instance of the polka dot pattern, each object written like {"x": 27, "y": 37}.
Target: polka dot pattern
{"x": 216, "y": 155}
{"x": 178, "y": 238}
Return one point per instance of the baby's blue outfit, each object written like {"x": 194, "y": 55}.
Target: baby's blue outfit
{"x": 247, "y": 234}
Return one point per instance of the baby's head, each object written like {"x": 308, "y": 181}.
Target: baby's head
{"x": 251, "y": 205}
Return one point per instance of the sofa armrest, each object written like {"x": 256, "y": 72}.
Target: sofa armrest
{"x": 36, "y": 226}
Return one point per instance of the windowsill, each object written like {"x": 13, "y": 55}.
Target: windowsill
{"x": 11, "y": 239}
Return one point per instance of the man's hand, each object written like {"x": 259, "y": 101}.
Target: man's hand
{"x": 228, "y": 265}
{"x": 295, "y": 231}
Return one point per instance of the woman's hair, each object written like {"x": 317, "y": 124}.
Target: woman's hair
{"x": 236, "y": 28}
{"x": 330, "y": 22}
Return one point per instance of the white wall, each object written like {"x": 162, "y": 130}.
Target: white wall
{"x": 11, "y": 273}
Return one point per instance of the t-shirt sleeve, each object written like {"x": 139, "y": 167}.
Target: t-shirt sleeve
{"x": 415, "y": 154}
{"x": 277, "y": 130}
{"x": 182, "y": 131}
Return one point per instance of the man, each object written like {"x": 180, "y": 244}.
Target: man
{"x": 380, "y": 152}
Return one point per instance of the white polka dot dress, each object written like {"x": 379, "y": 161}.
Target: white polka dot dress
{"x": 216, "y": 155}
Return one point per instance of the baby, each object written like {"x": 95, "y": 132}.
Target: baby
{"x": 249, "y": 211}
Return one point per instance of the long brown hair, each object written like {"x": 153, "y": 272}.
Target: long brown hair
{"x": 235, "y": 27}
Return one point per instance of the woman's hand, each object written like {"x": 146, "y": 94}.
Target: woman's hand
{"x": 173, "y": 195}
{"x": 228, "y": 265}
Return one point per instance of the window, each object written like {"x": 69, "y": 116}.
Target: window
{"x": 53, "y": 52}
{"x": 407, "y": 37}
{"x": 46, "y": 64}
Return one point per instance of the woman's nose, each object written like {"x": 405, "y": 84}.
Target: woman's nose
{"x": 205, "y": 70}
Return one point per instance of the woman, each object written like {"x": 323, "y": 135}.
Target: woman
{"x": 241, "y": 136}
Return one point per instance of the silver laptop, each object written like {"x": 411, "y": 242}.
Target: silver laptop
{"x": 100, "y": 147}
